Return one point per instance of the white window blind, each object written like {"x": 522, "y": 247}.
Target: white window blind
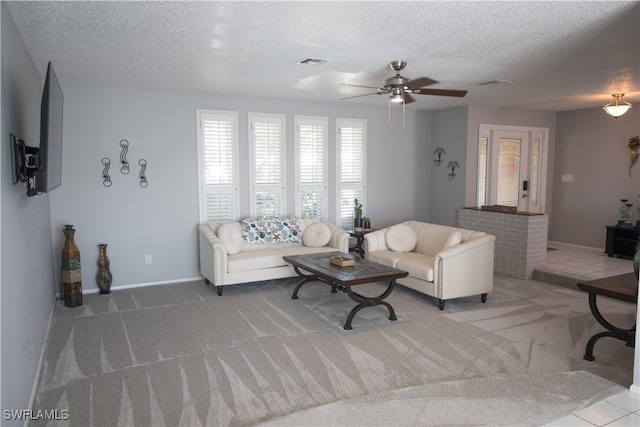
{"x": 266, "y": 134}
{"x": 351, "y": 145}
{"x": 311, "y": 167}
{"x": 217, "y": 163}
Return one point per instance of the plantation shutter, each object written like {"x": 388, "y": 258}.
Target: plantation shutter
{"x": 351, "y": 155}
{"x": 311, "y": 167}
{"x": 218, "y": 166}
{"x": 267, "y": 158}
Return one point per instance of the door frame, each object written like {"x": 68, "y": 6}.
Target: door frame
{"x": 489, "y": 131}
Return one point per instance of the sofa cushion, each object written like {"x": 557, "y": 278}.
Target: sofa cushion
{"x": 254, "y": 260}
{"x": 454, "y": 239}
{"x": 401, "y": 238}
{"x": 418, "y": 267}
{"x": 270, "y": 230}
{"x": 316, "y": 235}
{"x": 391, "y": 258}
{"x": 304, "y": 250}
{"x": 230, "y": 234}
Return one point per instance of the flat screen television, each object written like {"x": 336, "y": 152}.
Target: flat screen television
{"x": 41, "y": 167}
{"x": 49, "y": 173}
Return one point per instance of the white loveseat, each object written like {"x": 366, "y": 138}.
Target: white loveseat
{"x": 231, "y": 254}
{"x": 443, "y": 262}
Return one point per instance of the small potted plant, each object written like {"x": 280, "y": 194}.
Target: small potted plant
{"x": 358, "y": 223}
{"x": 366, "y": 224}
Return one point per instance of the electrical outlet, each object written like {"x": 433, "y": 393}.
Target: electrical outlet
{"x": 148, "y": 259}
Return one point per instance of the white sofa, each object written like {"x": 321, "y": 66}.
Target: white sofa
{"x": 443, "y": 262}
{"x": 227, "y": 258}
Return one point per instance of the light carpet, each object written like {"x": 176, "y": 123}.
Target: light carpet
{"x": 180, "y": 355}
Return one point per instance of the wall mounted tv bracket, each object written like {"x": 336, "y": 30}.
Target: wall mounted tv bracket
{"x": 25, "y": 161}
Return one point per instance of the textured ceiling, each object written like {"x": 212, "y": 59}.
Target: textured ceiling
{"x": 560, "y": 55}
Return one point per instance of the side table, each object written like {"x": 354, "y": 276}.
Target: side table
{"x": 359, "y": 236}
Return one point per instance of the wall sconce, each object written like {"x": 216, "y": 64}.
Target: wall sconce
{"x": 439, "y": 152}
{"x": 143, "y": 178}
{"x": 452, "y": 165}
{"x": 617, "y": 109}
{"x": 106, "y": 162}
{"x": 123, "y": 156}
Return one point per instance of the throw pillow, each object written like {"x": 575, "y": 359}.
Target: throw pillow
{"x": 231, "y": 237}
{"x": 316, "y": 235}
{"x": 454, "y": 239}
{"x": 401, "y": 238}
{"x": 270, "y": 230}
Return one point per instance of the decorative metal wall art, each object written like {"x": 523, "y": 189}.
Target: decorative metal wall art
{"x": 452, "y": 165}
{"x": 105, "y": 172}
{"x": 439, "y": 152}
{"x": 143, "y": 168}
{"x": 123, "y": 156}
{"x": 106, "y": 162}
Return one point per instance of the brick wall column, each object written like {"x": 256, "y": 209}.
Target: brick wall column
{"x": 521, "y": 239}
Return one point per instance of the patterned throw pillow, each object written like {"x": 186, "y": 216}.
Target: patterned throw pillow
{"x": 270, "y": 230}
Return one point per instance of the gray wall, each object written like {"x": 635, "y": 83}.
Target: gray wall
{"x": 447, "y": 195}
{"x": 161, "y": 220}
{"x": 592, "y": 147}
{"x": 27, "y": 253}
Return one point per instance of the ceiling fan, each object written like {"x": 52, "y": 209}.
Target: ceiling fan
{"x": 400, "y": 88}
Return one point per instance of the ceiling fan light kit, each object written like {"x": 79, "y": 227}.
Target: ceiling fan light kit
{"x": 400, "y": 89}
{"x": 615, "y": 109}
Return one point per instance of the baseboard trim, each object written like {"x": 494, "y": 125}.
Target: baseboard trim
{"x": 36, "y": 381}
{"x": 634, "y": 389}
{"x": 141, "y": 285}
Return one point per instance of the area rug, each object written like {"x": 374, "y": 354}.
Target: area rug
{"x": 180, "y": 355}
{"x": 531, "y": 400}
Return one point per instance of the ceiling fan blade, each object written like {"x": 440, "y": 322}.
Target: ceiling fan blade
{"x": 421, "y": 82}
{"x": 408, "y": 99}
{"x": 358, "y": 96}
{"x": 441, "y": 92}
{"x": 368, "y": 87}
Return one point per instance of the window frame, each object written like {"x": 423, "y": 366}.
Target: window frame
{"x": 347, "y": 221}
{"x": 323, "y": 186}
{"x": 281, "y": 186}
{"x": 203, "y": 189}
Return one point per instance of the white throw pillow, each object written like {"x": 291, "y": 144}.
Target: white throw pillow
{"x": 316, "y": 235}
{"x": 401, "y": 238}
{"x": 230, "y": 234}
{"x": 454, "y": 239}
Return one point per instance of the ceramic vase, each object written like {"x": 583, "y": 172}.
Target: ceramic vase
{"x": 103, "y": 277}
{"x": 71, "y": 277}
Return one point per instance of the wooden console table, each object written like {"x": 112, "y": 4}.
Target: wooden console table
{"x": 623, "y": 287}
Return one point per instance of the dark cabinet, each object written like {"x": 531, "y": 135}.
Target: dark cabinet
{"x": 622, "y": 241}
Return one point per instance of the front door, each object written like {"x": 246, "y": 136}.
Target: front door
{"x": 511, "y": 162}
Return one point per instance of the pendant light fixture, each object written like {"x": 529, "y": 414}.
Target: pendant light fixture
{"x": 618, "y": 107}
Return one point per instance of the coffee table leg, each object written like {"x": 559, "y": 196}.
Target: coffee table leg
{"x": 306, "y": 279}
{"x": 369, "y": 302}
{"x": 628, "y": 335}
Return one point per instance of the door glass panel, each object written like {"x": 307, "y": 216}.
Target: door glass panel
{"x": 482, "y": 171}
{"x": 508, "y": 171}
{"x": 534, "y": 172}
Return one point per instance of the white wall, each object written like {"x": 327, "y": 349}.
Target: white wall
{"x": 592, "y": 147}
{"x": 161, "y": 220}
{"x": 25, "y": 233}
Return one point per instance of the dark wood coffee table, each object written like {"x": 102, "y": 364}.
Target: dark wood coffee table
{"x": 623, "y": 287}
{"x": 343, "y": 278}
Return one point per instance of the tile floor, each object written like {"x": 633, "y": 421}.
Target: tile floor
{"x": 622, "y": 409}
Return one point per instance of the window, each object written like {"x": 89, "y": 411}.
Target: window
{"x": 311, "y": 167}
{"x": 351, "y": 147}
{"x": 218, "y": 165}
{"x": 267, "y": 164}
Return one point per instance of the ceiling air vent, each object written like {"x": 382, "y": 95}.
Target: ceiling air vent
{"x": 495, "y": 82}
{"x": 311, "y": 61}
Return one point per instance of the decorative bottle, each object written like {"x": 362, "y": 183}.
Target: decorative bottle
{"x": 71, "y": 277}
{"x": 103, "y": 277}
